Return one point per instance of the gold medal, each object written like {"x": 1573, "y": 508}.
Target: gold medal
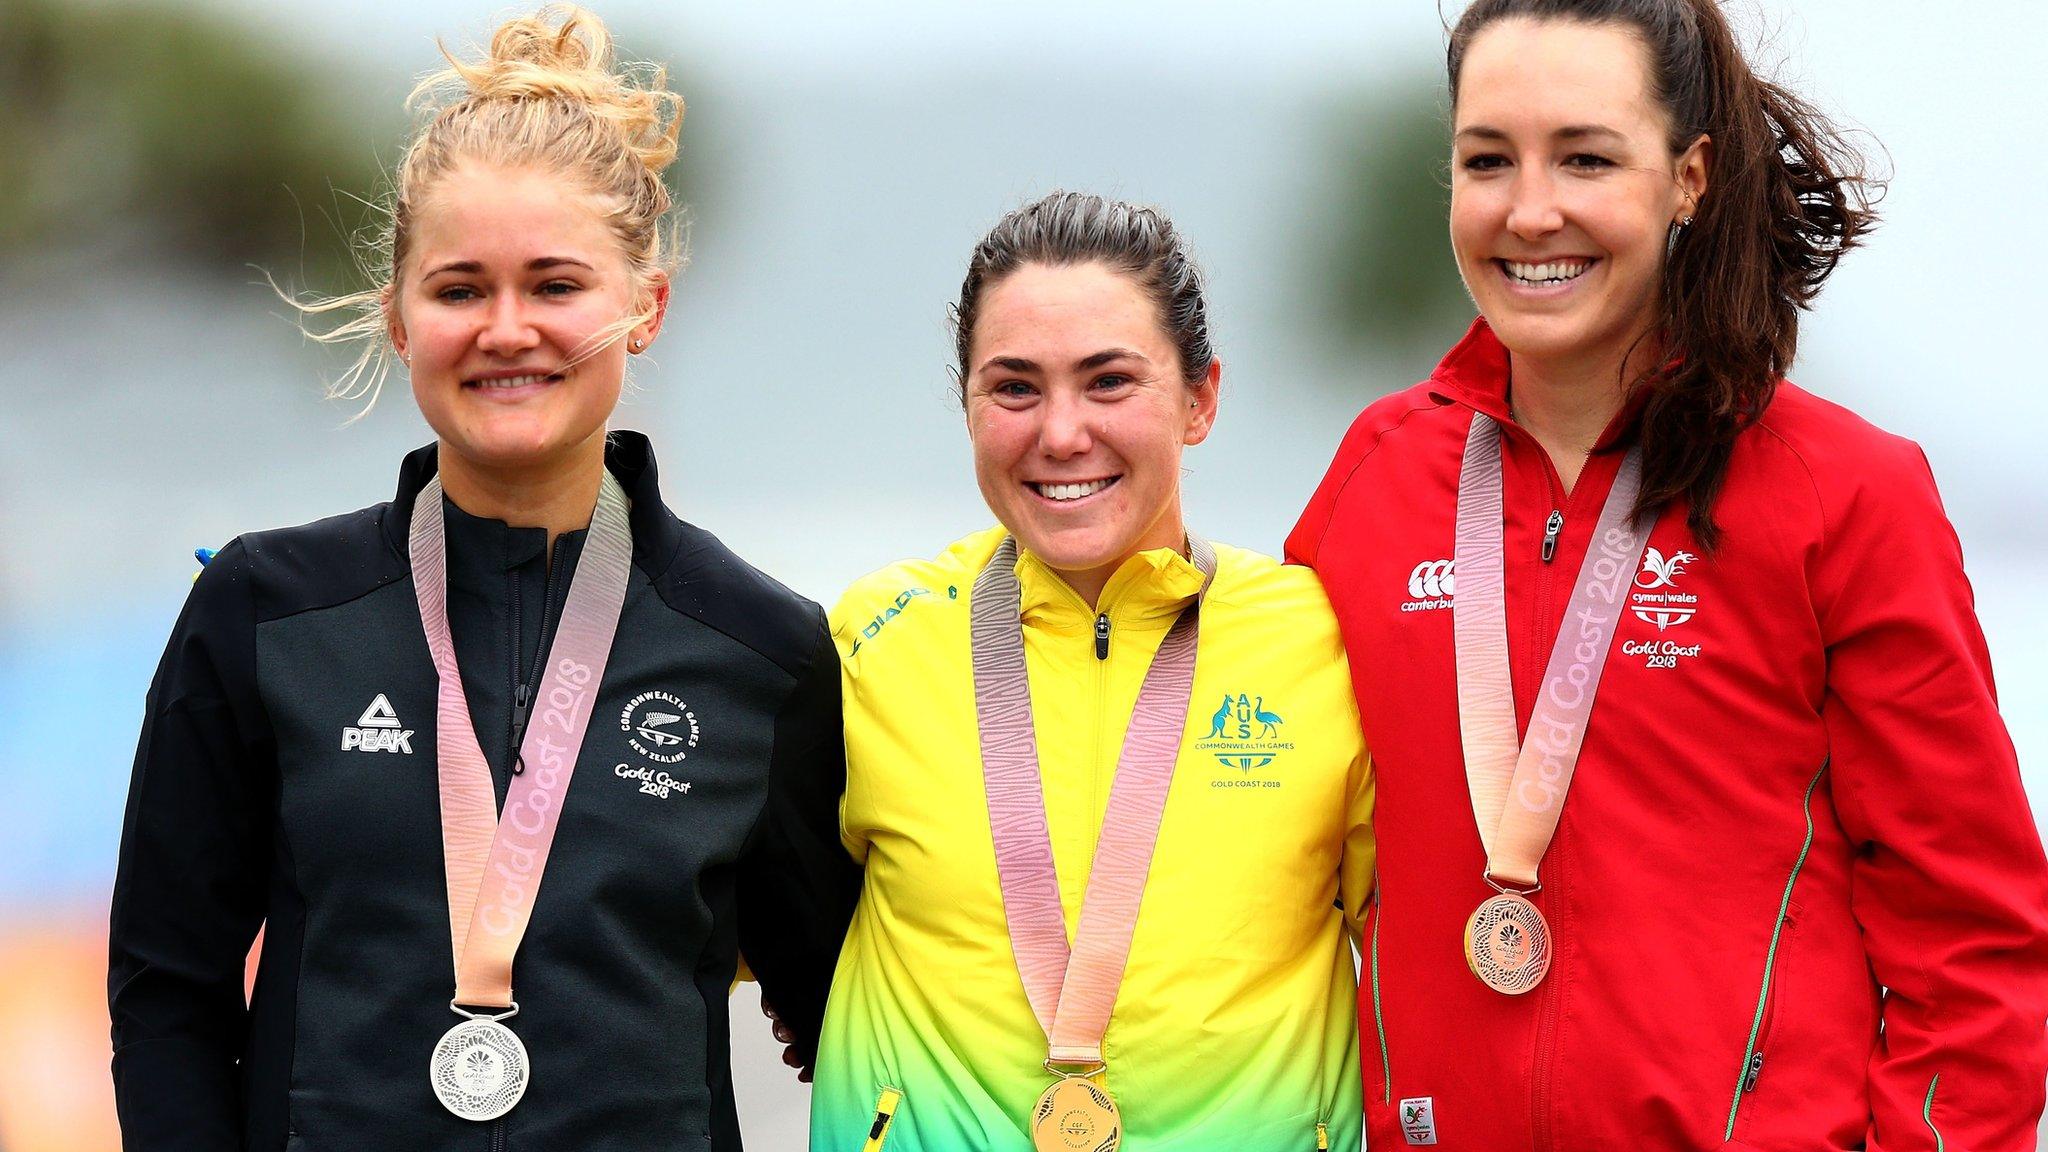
{"x": 1507, "y": 944}
{"x": 1076, "y": 1115}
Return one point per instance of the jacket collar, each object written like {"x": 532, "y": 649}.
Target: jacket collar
{"x": 1153, "y": 585}
{"x": 627, "y": 456}
{"x": 1475, "y": 373}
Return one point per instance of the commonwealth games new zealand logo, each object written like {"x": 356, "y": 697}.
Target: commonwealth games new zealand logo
{"x": 659, "y": 726}
{"x": 1244, "y": 734}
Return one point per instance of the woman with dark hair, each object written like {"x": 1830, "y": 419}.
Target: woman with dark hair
{"x": 1780, "y": 888}
{"x": 1111, "y": 888}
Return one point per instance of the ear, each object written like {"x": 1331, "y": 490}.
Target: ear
{"x": 394, "y": 324}
{"x": 642, "y": 335}
{"x": 1691, "y": 174}
{"x": 1202, "y": 401}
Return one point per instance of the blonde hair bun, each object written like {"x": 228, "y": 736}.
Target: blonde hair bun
{"x": 564, "y": 52}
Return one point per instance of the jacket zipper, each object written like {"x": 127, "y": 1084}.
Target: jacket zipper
{"x": 498, "y": 1135}
{"x": 1551, "y": 528}
{"x": 524, "y": 689}
{"x": 885, "y": 1114}
{"x": 1379, "y": 1018}
{"x": 1322, "y": 1136}
{"x": 1753, "y": 1054}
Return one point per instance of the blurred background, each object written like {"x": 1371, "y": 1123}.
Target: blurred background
{"x": 839, "y": 161}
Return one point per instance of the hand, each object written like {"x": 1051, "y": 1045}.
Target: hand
{"x": 787, "y": 1039}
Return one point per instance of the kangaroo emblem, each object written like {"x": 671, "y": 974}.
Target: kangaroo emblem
{"x": 1271, "y": 720}
{"x": 1221, "y": 718}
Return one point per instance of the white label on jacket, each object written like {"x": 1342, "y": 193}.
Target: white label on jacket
{"x": 1418, "y": 1119}
{"x": 378, "y": 730}
{"x": 1431, "y": 586}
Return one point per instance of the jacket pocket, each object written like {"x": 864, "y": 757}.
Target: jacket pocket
{"x": 1770, "y": 988}
{"x": 887, "y": 1101}
{"x": 1379, "y": 1019}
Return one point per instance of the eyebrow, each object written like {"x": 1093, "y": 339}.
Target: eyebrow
{"x": 1568, "y": 132}
{"x": 1096, "y": 360}
{"x": 537, "y": 264}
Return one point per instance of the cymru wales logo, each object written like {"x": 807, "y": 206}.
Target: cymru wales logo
{"x": 1244, "y": 734}
{"x": 1655, "y": 599}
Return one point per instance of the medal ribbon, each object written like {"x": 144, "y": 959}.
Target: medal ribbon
{"x": 1073, "y": 991}
{"x": 1498, "y": 766}
{"x": 494, "y": 864}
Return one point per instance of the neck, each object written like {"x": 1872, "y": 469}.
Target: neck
{"x": 1089, "y": 583}
{"x": 1567, "y": 402}
{"x": 558, "y": 494}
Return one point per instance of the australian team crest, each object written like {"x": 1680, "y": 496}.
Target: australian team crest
{"x": 1244, "y": 733}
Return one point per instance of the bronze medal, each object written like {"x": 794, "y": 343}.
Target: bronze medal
{"x": 1507, "y": 944}
{"x": 1076, "y": 1115}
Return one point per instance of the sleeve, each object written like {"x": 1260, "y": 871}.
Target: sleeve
{"x": 797, "y": 886}
{"x": 1949, "y": 883}
{"x": 193, "y": 873}
{"x": 1355, "y": 875}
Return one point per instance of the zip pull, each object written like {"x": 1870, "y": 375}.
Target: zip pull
{"x": 1102, "y": 636}
{"x": 522, "y": 710}
{"x": 1551, "y": 528}
{"x": 1756, "y": 1067}
{"x": 885, "y": 1111}
{"x": 1322, "y": 1137}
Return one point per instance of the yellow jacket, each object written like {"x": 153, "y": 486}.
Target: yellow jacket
{"x": 1234, "y": 1028}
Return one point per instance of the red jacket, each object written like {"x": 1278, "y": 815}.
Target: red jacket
{"x": 1797, "y": 819}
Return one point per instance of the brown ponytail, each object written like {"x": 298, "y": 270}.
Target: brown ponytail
{"x": 1786, "y": 196}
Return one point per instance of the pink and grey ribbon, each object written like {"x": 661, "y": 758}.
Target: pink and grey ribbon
{"x": 1533, "y": 773}
{"x": 495, "y": 864}
{"x": 1073, "y": 992}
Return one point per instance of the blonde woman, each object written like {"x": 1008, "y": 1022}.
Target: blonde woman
{"x": 509, "y": 767}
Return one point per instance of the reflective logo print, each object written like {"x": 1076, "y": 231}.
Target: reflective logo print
{"x": 1665, "y": 609}
{"x": 1431, "y": 586}
{"x": 378, "y": 730}
{"x": 659, "y": 726}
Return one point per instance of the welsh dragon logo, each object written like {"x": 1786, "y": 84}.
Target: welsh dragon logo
{"x": 1660, "y": 571}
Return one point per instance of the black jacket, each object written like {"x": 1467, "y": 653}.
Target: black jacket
{"x": 251, "y": 807}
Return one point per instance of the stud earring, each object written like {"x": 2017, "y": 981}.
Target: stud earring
{"x": 639, "y": 344}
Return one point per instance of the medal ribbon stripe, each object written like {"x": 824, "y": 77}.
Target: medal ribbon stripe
{"x": 495, "y": 863}
{"x": 1535, "y": 774}
{"x": 1073, "y": 992}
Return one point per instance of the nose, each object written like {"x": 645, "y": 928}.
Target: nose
{"x": 1533, "y": 211}
{"x": 1063, "y": 432}
{"x": 507, "y": 330}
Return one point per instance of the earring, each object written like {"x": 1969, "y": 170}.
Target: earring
{"x": 1678, "y": 227}
{"x": 639, "y": 344}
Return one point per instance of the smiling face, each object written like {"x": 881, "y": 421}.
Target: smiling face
{"x": 510, "y": 275}
{"x": 1078, "y": 414}
{"x": 1564, "y": 186}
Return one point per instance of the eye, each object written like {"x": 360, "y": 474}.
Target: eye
{"x": 1110, "y": 381}
{"x": 1587, "y": 160}
{"x": 455, "y": 294}
{"x": 1013, "y": 389}
{"x": 1484, "y": 162}
{"x": 560, "y": 288}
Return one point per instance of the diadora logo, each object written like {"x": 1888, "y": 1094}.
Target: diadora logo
{"x": 377, "y": 730}
{"x": 1650, "y": 600}
{"x": 659, "y": 726}
{"x": 873, "y": 628}
{"x": 1244, "y": 734}
{"x": 1431, "y": 586}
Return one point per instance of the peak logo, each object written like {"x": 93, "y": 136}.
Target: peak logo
{"x": 378, "y": 730}
{"x": 1431, "y": 585}
{"x": 1649, "y": 600}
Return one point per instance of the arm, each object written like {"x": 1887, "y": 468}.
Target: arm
{"x": 1949, "y": 885}
{"x": 1355, "y": 870}
{"x": 797, "y": 886}
{"x": 189, "y": 891}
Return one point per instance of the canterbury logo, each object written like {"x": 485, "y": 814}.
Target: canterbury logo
{"x": 378, "y": 730}
{"x": 1431, "y": 579}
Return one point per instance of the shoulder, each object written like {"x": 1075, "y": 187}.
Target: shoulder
{"x": 708, "y": 582}
{"x": 949, "y": 574}
{"x": 1263, "y": 592}
{"x": 317, "y": 565}
{"x": 1851, "y": 466}
{"x": 1394, "y": 420}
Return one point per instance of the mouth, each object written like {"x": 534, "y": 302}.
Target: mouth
{"x": 512, "y": 387}
{"x": 1072, "y": 491}
{"x": 1549, "y": 274}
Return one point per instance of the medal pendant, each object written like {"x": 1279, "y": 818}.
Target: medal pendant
{"x": 1076, "y": 1115}
{"x": 479, "y": 1070}
{"x": 1507, "y": 944}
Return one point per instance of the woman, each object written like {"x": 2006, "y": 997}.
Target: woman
{"x": 1700, "y": 640}
{"x": 346, "y": 707}
{"x": 1034, "y": 754}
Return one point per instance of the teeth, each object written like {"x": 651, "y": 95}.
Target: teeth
{"x": 1555, "y": 272}
{"x": 1072, "y": 491}
{"x": 512, "y": 381}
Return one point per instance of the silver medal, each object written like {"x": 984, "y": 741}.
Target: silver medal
{"x": 479, "y": 1070}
